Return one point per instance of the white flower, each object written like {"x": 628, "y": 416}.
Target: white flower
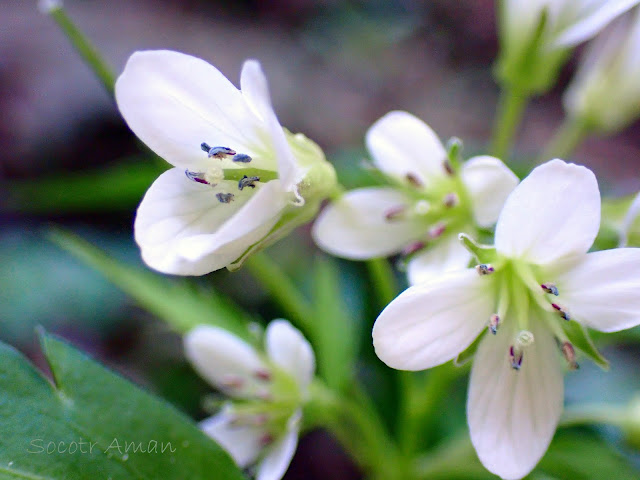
{"x": 536, "y": 35}
{"x": 260, "y": 426}
{"x": 605, "y": 92}
{"x": 539, "y": 283}
{"x": 426, "y": 204}
{"x": 240, "y": 181}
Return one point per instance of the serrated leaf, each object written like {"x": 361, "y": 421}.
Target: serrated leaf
{"x": 579, "y": 337}
{"x": 180, "y": 303}
{"x": 126, "y": 433}
{"x": 334, "y": 331}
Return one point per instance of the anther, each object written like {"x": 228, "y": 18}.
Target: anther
{"x": 484, "y": 269}
{"x": 494, "y": 323}
{"x": 448, "y": 168}
{"x": 437, "y": 230}
{"x": 241, "y": 158}
{"x": 196, "y": 177}
{"x": 225, "y": 197}
{"x": 233, "y": 382}
{"x": 516, "y": 355}
{"x": 570, "y": 355}
{"x": 562, "y": 311}
{"x": 413, "y": 248}
{"x": 217, "y": 152}
{"x": 248, "y": 182}
{"x": 413, "y": 180}
{"x": 395, "y": 212}
{"x": 550, "y": 288}
{"x": 264, "y": 375}
{"x": 266, "y": 440}
{"x": 451, "y": 200}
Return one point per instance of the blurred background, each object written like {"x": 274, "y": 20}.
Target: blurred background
{"x": 334, "y": 67}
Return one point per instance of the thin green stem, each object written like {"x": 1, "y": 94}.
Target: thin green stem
{"x": 282, "y": 289}
{"x": 595, "y": 414}
{"x": 85, "y": 48}
{"x": 570, "y": 134}
{"x": 384, "y": 282}
{"x": 511, "y": 106}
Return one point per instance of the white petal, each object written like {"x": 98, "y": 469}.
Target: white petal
{"x": 430, "y": 324}
{"x": 182, "y": 228}
{"x": 173, "y": 102}
{"x": 256, "y": 91}
{"x": 241, "y": 442}
{"x": 554, "y": 212}
{"x": 513, "y": 414}
{"x": 222, "y": 359}
{"x": 489, "y": 182}
{"x": 591, "y": 24}
{"x": 445, "y": 255}
{"x": 276, "y": 462}
{"x": 355, "y": 226}
{"x": 602, "y": 290}
{"x": 288, "y": 349}
{"x": 401, "y": 143}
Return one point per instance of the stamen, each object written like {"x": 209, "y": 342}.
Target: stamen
{"x": 196, "y": 177}
{"x": 570, "y": 355}
{"x": 451, "y": 200}
{"x": 564, "y": 313}
{"x": 550, "y": 288}
{"x": 225, "y": 197}
{"x": 241, "y": 158}
{"x": 516, "y": 357}
{"x": 484, "y": 269}
{"x": 234, "y": 382}
{"x": 264, "y": 375}
{"x": 448, "y": 168}
{"x": 395, "y": 212}
{"x": 217, "y": 152}
{"x": 437, "y": 230}
{"x": 494, "y": 323}
{"x": 266, "y": 440}
{"x": 248, "y": 182}
{"x": 414, "y": 181}
{"x": 413, "y": 248}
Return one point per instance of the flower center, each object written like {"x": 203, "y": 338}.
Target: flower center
{"x": 522, "y": 296}
{"x": 246, "y": 177}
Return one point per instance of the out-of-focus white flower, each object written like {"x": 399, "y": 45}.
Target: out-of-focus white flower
{"x": 424, "y": 207}
{"x": 260, "y": 426}
{"x": 536, "y": 289}
{"x": 240, "y": 180}
{"x": 605, "y": 92}
{"x": 536, "y": 36}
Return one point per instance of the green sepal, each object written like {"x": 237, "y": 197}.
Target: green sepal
{"x": 579, "y": 337}
{"x": 467, "y": 354}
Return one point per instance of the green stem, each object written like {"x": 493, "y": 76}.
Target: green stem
{"x": 85, "y": 48}
{"x": 422, "y": 401}
{"x": 570, "y": 134}
{"x": 282, "y": 289}
{"x": 511, "y": 106}
{"x": 594, "y": 414}
{"x": 454, "y": 458}
{"x": 384, "y": 282}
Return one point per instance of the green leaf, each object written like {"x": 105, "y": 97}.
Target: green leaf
{"x": 579, "y": 337}
{"x": 334, "y": 330}
{"x": 580, "y": 456}
{"x": 180, "y": 303}
{"x": 125, "y": 432}
{"x": 116, "y": 187}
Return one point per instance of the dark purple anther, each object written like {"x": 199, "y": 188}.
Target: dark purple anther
{"x": 413, "y": 248}
{"x": 550, "y": 288}
{"x": 248, "y": 182}
{"x": 241, "y": 158}
{"x": 563, "y": 313}
{"x": 196, "y": 177}
{"x": 225, "y": 197}
{"x": 414, "y": 181}
{"x": 516, "y": 358}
